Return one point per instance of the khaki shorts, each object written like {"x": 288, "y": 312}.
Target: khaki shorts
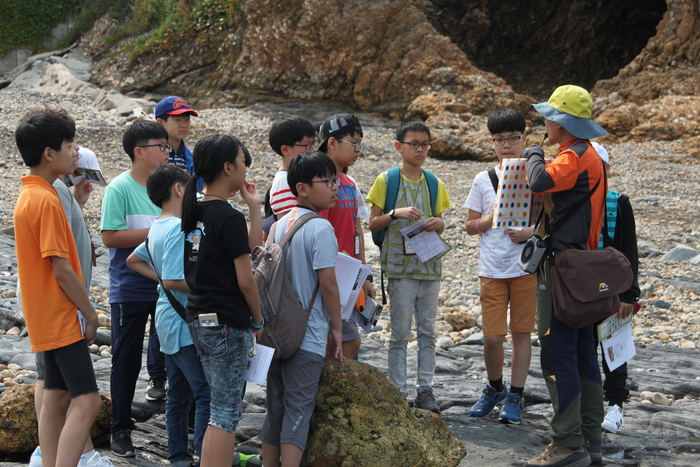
{"x": 521, "y": 292}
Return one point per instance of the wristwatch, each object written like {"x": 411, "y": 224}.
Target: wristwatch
{"x": 391, "y": 214}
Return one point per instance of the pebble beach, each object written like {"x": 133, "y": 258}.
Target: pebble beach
{"x": 658, "y": 176}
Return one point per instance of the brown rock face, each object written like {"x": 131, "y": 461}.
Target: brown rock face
{"x": 361, "y": 419}
{"x": 427, "y": 59}
{"x": 657, "y": 96}
{"x": 18, "y": 426}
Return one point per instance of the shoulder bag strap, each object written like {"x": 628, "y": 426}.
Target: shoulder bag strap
{"x": 494, "y": 178}
{"x": 171, "y": 298}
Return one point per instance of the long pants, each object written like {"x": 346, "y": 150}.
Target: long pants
{"x": 570, "y": 367}
{"x": 413, "y": 299}
{"x": 128, "y": 330}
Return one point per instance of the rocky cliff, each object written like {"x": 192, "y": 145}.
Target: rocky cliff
{"x": 427, "y": 59}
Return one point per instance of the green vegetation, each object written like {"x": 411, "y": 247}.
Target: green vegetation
{"x": 29, "y": 22}
{"x": 157, "y": 26}
{"x": 163, "y": 25}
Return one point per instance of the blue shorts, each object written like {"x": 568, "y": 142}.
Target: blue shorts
{"x": 223, "y": 351}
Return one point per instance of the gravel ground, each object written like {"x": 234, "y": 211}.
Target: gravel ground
{"x": 659, "y": 178}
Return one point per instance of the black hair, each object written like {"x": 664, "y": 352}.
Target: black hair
{"x": 506, "y": 121}
{"x": 324, "y": 147}
{"x": 161, "y": 181}
{"x": 306, "y": 166}
{"x": 40, "y": 129}
{"x": 413, "y": 124}
{"x": 209, "y": 155}
{"x": 139, "y": 133}
{"x": 287, "y": 130}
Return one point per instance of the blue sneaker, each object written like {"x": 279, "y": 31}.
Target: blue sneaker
{"x": 513, "y": 409}
{"x": 487, "y": 401}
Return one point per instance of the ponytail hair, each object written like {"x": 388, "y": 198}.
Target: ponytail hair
{"x": 209, "y": 155}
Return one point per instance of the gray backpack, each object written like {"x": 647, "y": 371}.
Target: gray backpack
{"x": 285, "y": 319}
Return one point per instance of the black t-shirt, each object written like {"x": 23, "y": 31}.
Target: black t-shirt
{"x": 220, "y": 238}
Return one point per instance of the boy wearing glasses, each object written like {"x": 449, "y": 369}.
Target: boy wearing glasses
{"x": 413, "y": 285}
{"x": 289, "y": 136}
{"x": 341, "y": 140}
{"x": 502, "y": 280}
{"x": 127, "y": 215}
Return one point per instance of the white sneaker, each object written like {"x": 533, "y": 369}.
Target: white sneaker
{"x": 35, "y": 459}
{"x": 93, "y": 459}
{"x": 613, "y": 418}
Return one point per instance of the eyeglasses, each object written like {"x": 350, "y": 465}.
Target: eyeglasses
{"x": 330, "y": 182}
{"x": 164, "y": 147}
{"x": 414, "y": 145}
{"x": 512, "y": 140}
{"x": 308, "y": 146}
{"x": 358, "y": 146}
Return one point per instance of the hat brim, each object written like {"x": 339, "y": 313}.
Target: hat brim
{"x": 584, "y": 128}
{"x": 184, "y": 111}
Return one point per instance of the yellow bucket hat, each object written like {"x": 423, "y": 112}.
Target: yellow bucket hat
{"x": 571, "y": 107}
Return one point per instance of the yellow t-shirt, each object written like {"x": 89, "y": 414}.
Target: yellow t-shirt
{"x": 395, "y": 262}
{"x": 42, "y": 231}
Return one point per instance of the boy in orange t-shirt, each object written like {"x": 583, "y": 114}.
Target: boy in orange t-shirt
{"x": 52, "y": 289}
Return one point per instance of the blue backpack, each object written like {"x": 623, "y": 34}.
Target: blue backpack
{"x": 392, "y": 190}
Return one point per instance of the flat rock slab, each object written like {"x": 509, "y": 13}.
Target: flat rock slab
{"x": 651, "y": 435}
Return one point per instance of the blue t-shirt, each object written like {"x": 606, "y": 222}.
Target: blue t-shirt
{"x": 166, "y": 242}
{"x": 313, "y": 247}
{"x": 126, "y": 206}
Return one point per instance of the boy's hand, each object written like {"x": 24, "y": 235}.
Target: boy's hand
{"x": 81, "y": 192}
{"x": 335, "y": 342}
{"x": 411, "y": 214}
{"x": 369, "y": 289}
{"x": 90, "y": 327}
{"x": 434, "y": 224}
{"x": 249, "y": 194}
{"x": 519, "y": 236}
{"x": 626, "y": 309}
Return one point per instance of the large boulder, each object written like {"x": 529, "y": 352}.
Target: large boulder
{"x": 362, "y": 419}
{"x": 18, "y": 425}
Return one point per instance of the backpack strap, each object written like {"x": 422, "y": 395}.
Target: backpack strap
{"x": 292, "y": 230}
{"x": 494, "y": 178}
{"x": 288, "y": 237}
{"x": 177, "y": 306}
{"x": 432, "y": 189}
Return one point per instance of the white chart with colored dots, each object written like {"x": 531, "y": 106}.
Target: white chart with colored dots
{"x": 516, "y": 206}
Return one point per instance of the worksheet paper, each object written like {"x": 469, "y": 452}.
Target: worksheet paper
{"x": 619, "y": 347}
{"x": 259, "y": 364}
{"x": 426, "y": 245}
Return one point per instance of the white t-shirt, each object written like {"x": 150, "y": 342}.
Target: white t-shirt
{"x": 498, "y": 257}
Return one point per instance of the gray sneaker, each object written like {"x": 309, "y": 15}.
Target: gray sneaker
{"x": 426, "y": 400}
{"x": 156, "y": 389}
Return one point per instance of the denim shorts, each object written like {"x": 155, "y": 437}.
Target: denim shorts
{"x": 70, "y": 369}
{"x": 223, "y": 351}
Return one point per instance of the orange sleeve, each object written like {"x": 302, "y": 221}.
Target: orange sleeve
{"x": 564, "y": 171}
